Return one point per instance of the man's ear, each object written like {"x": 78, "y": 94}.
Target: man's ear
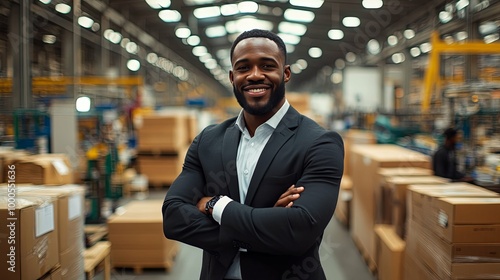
{"x": 287, "y": 73}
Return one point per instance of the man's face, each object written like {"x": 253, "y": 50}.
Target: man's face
{"x": 259, "y": 75}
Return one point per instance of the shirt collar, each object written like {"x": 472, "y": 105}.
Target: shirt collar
{"x": 272, "y": 122}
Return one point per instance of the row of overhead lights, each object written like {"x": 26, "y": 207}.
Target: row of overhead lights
{"x": 117, "y": 38}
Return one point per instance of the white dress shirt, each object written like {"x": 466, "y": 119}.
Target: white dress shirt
{"x": 249, "y": 151}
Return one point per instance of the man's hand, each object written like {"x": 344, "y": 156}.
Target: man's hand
{"x": 288, "y": 197}
{"x": 201, "y": 204}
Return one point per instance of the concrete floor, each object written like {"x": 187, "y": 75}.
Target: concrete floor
{"x": 339, "y": 256}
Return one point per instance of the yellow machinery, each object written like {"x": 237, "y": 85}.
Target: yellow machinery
{"x": 432, "y": 78}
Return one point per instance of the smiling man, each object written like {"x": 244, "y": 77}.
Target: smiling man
{"x": 257, "y": 191}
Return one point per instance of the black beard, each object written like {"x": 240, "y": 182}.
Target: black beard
{"x": 274, "y": 100}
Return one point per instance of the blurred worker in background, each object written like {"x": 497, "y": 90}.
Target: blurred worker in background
{"x": 444, "y": 161}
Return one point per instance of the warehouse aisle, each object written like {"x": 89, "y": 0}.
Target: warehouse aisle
{"x": 340, "y": 258}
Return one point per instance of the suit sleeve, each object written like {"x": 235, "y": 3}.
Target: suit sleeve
{"x": 292, "y": 231}
{"x": 182, "y": 220}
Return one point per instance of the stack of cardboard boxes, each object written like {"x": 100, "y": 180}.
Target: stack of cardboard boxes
{"x": 365, "y": 162}
{"x": 136, "y": 232}
{"x": 350, "y": 137}
{"x": 46, "y": 236}
{"x": 162, "y": 145}
{"x": 453, "y": 233}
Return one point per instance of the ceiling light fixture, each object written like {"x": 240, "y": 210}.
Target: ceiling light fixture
{"x": 206, "y": 12}
{"x": 158, "y": 4}
{"x": 193, "y": 40}
{"x": 302, "y": 63}
{"x": 299, "y": 15}
{"x": 83, "y": 104}
{"x": 315, "y": 52}
{"x": 392, "y": 40}
{"x": 216, "y": 31}
{"x": 372, "y": 4}
{"x": 199, "y": 50}
{"x": 170, "y": 15}
{"x": 351, "y": 22}
{"x": 229, "y": 9}
{"x": 307, "y": 3}
{"x": 426, "y": 47}
{"x": 182, "y": 32}
{"x": 49, "y": 39}
{"x": 289, "y": 38}
{"x": 350, "y": 57}
{"x": 445, "y": 16}
{"x": 63, "y": 8}
{"x": 248, "y": 7}
{"x": 409, "y": 34}
{"x": 398, "y": 58}
{"x": 133, "y": 65}
{"x": 335, "y": 34}
{"x": 292, "y": 28}
{"x": 85, "y": 21}
{"x": 45, "y": 1}
{"x": 373, "y": 47}
{"x": 415, "y": 51}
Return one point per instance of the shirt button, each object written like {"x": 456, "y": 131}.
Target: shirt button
{"x": 246, "y": 171}
{"x": 252, "y": 144}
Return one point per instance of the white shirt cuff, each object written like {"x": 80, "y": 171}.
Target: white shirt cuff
{"x": 219, "y": 208}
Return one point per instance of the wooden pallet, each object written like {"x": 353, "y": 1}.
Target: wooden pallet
{"x": 372, "y": 266}
{"x": 96, "y": 255}
{"x": 140, "y": 267}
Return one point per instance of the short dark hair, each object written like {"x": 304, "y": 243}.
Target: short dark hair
{"x": 256, "y": 33}
{"x": 450, "y": 133}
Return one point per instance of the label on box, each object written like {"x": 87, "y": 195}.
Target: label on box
{"x": 44, "y": 219}
{"x": 74, "y": 207}
{"x": 60, "y": 166}
{"x": 442, "y": 219}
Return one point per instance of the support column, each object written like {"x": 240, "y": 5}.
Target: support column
{"x": 20, "y": 40}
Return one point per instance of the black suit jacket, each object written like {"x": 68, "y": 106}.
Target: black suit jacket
{"x": 281, "y": 243}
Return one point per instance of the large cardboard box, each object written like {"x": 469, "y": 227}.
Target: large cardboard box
{"x": 390, "y": 253}
{"x": 429, "y": 251}
{"x": 160, "y": 169}
{"x": 163, "y": 133}
{"x": 30, "y": 247}
{"x": 352, "y": 137}
{"x": 366, "y": 161}
{"x": 473, "y": 219}
{"x": 143, "y": 223}
{"x": 7, "y": 157}
{"x": 70, "y": 222}
{"x": 46, "y": 169}
{"x": 423, "y": 200}
{"x": 394, "y": 198}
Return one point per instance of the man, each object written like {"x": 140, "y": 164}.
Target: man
{"x": 444, "y": 161}
{"x": 236, "y": 197}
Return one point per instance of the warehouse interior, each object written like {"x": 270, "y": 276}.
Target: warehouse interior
{"x": 101, "y": 99}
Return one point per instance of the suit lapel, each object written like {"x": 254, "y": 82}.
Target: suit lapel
{"x": 229, "y": 152}
{"x": 281, "y": 134}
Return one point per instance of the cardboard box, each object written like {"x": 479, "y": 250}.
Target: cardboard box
{"x": 35, "y": 251}
{"x": 162, "y": 133}
{"x": 46, "y": 169}
{"x": 142, "y": 222}
{"x": 366, "y": 161}
{"x": 394, "y": 198}
{"x": 390, "y": 253}
{"x": 352, "y": 137}
{"x": 440, "y": 250}
{"x": 471, "y": 219}
{"x": 425, "y": 251}
{"x": 7, "y": 157}
{"x": 160, "y": 169}
{"x": 423, "y": 200}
